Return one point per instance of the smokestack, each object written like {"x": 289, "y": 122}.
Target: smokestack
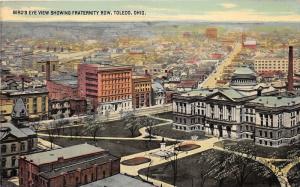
{"x": 48, "y": 70}
{"x": 290, "y": 86}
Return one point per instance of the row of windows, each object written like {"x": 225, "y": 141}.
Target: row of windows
{"x": 114, "y": 92}
{"x": 116, "y": 75}
{"x": 13, "y": 161}
{"x": 13, "y": 148}
{"x": 115, "y": 86}
{"x": 114, "y": 98}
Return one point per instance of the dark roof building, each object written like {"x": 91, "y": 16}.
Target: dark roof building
{"x": 71, "y": 166}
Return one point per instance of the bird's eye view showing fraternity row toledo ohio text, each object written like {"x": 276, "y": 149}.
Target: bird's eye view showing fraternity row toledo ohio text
{"x": 150, "y": 93}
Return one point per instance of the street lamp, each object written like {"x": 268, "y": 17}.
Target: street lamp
{"x": 3, "y": 132}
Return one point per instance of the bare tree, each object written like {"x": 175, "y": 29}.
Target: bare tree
{"x": 149, "y": 123}
{"x": 50, "y": 129}
{"x": 210, "y": 166}
{"x": 240, "y": 167}
{"x": 94, "y": 127}
{"x": 132, "y": 123}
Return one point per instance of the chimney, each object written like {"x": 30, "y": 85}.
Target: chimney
{"x": 48, "y": 70}
{"x": 290, "y": 86}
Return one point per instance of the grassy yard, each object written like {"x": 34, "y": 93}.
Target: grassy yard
{"x": 188, "y": 174}
{"x": 169, "y": 132}
{"x": 166, "y": 115}
{"x": 116, "y": 147}
{"x": 261, "y": 151}
{"x": 112, "y": 129}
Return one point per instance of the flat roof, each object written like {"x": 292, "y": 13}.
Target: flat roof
{"x": 107, "y": 66}
{"x": 73, "y": 164}
{"x": 66, "y": 153}
{"x": 276, "y": 101}
{"x": 118, "y": 180}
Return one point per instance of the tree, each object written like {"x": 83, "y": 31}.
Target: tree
{"x": 149, "y": 123}
{"x": 132, "y": 123}
{"x": 94, "y": 126}
{"x": 50, "y": 129}
{"x": 210, "y": 163}
{"x": 240, "y": 167}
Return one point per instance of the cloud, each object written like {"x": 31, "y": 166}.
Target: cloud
{"x": 228, "y": 5}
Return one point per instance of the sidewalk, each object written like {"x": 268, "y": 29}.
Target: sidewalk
{"x": 156, "y": 160}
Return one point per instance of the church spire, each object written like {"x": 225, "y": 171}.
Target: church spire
{"x": 19, "y": 114}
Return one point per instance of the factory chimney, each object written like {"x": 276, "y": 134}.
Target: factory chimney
{"x": 290, "y": 84}
{"x": 48, "y": 70}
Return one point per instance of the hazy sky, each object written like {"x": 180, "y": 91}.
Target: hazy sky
{"x": 158, "y": 10}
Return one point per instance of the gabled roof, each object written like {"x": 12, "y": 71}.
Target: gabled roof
{"x": 18, "y": 133}
{"x": 227, "y": 93}
{"x": 19, "y": 110}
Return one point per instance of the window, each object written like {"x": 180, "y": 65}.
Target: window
{"x": 13, "y": 161}
{"x": 3, "y": 163}
{"x": 3, "y": 149}
{"x": 260, "y": 133}
{"x": 13, "y": 147}
{"x": 271, "y": 135}
{"x": 22, "y": 146}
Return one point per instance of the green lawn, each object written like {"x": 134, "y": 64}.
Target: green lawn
{"x": 116, "y": 147}
{"x": 112, "y": 129}
{"x": 169, "y": 132}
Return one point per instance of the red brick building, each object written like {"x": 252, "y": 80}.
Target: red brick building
{"x": 107, "y": 85}
{"x": 61, "y": 89}
{"x": 141, "y": 91}
{"x": 211, "y": 33}
{"x": 71, "y": 166}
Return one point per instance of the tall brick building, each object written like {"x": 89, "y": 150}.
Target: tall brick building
{"x": 108, "y": 86}
{"x": 141, "y": 91}
{"x": 71, "y": 166}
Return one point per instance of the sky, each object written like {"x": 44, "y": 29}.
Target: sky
{"x": 159, "y": 10}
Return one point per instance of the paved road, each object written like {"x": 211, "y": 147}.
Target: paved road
{"x": 211, "y": 81}
{"x": 155, "y": 160}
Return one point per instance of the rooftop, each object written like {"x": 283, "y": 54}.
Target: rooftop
{"x": 118, "y": 181}
{"x": 65, "y": 166}
{"x": 25, "y": 92}
{"x": 276, "y": 101}
{"x": 244, "y": 71}
{"x": 66, "y": 153}
{"x": 17, "y": 132}
{"x": 107, "y": 66}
